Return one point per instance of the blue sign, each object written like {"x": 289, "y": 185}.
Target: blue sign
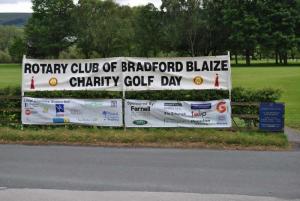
{"x": 271, "y": 117}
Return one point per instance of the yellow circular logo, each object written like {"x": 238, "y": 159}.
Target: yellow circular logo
{"x": 53, "y": 82}
{"x": 198, "y": 80}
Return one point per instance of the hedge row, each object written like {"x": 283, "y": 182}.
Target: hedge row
{"x": 238, "y": 95}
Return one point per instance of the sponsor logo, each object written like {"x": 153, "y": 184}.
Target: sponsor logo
{"x": 140, "y": 109}
{"x": 198, "y": 80}
{"x": 222, "y": 120}
{"x": 175, "y": 114}
{"x": 173, "y": 104}
{"x": 96, "y": 105}
{"x": 75, "y": 112}
{"x": 45, "y": 109}
{"x": 201, "y": 106}
{"x": 110, "y": 116}
{"x": 114, "y": 104}
{"x": 31, "y": 104}
{"x": 60, "y": 109}
{"x": 140, "y": 122}
{"x": 53, "y": 82}
{"x": 61, "y": 120}
{"x": 88, "y": 120}
{"x": 202, "y": 122}
{"x": 28, "y": 112}
{"x": 221, "y": 107}
{"x": 198, "y": 114}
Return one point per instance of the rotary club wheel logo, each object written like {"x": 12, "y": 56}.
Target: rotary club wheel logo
{"x": 53, "y": 82}
{"x": 198, "y": 80}
{"x": 221, "y": 107}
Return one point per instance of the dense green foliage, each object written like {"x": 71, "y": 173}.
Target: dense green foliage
{"x": 8, "y": 37}
{"x": 93, "y": 28}
{"x": 50, "y": 28}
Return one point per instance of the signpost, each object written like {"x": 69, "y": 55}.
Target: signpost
{"x": 271, "y": 117}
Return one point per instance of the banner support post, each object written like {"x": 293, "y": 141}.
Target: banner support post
{"x": 123, "y": 99}
{"x": 230, "y": 88}
{"x": 123, "y": 108}
{"x": 22, "y": 90}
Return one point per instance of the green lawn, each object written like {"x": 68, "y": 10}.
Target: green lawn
{"x": 285, "y": 78}
{"x": 10, "y": 75}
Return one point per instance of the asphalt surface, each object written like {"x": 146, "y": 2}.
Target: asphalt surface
{"x": 65, "y": 195}
{"x": 269, "y": 174}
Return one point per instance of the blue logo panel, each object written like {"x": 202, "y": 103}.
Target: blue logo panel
{"x": 201, "y": 106}
{"x": 60, "y": 108}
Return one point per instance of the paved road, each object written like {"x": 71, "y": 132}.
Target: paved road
{"x": 66, "y": 195}
{"x": 275, "y": 174}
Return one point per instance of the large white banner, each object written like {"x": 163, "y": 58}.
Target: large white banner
{"x": 210, "y": 114}
{"x": 41, "y": 111}
{"x": 127, "y": 74}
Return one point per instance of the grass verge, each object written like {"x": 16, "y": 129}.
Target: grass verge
{"x": 153, "y": 137}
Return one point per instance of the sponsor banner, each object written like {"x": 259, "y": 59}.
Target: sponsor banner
{"x": 210, "y": 114}
{"x": 128, "y": 74}
{"x": 40, "y": 111}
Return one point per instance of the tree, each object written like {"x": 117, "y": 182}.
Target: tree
{"x": 240, "y": 17}
{"x": 148, "y": 30}
{"x": 195, "y": 27}
{"x": 279, "y": 23}
{"x": 173, "y": 26}
{"x": 102, "y": 28}
{"x": 50, "y": 29}
{"x": 297, "y": 30}
{"x": 217, "y": 32}
{"x": 7, "y": 35}
{"x": 17, "y": 49}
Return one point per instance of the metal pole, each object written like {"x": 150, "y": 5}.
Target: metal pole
{"x": 230, "y": 87}
{"x": 22, "y": 90}
{"x": 123, "y": 109}
{"x": 123, "y": 98}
